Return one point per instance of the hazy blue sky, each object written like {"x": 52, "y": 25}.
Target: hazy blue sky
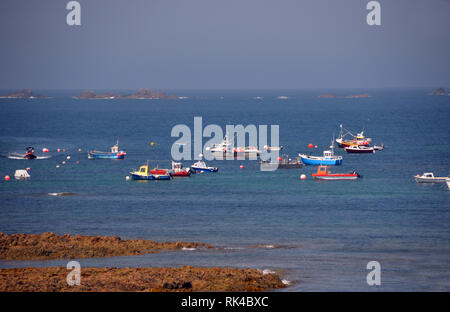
{"x": 203, "y": 44}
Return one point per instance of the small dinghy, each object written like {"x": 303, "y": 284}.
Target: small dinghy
{"x": 323, "y": 173}
{"x": 21, "y": 174}
{"x": 359, "y": 149}
{"x": 200, "y": 166}
{"x": 144, "y": 173}
{"x": 428, "y": 177}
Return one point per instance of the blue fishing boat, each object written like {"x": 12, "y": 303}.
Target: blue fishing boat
{"x": 144, "y": 173}
{"x": 114, "y": 154}
{"x": 328, "y": 158}
{"x": 200, "y": 166}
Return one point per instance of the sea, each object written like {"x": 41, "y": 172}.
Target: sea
{"x": 317, "y": 235}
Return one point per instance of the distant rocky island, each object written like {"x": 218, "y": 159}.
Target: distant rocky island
{"x": 327, "y": 96}
{"x": 364, "y": 95}
{"x": 24, "y": 94}
{"x": 439, "y": 91}
{"x": 140, "y": 94}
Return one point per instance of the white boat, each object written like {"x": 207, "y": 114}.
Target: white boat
{"x": 200, "y": 166}
{"x": 21, "y": 175}
{"x": 428, "y": 177}
{"x": 448, "y": 183}
{"x": 225, "y": 147}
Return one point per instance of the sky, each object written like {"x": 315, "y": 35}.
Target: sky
{"x": 226, "y": 44}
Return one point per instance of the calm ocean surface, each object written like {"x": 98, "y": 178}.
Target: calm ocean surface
{"x": 324, "y": 232}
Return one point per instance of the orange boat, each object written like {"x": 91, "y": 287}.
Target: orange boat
{"x": 324, "y": 174}
{"x": 358, "y": 139}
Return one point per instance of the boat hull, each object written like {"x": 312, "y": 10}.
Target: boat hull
{"x": 204, "y": 169}
{"x": 180, "y": 174}
{"x": 336, "y": 177}
{"x": 360, "y": 150}
{"x": 105, "y": 156}
{"x": 317, "y": 161}
{"x": 430, "y": 180}
{"x": 149, "y": 177}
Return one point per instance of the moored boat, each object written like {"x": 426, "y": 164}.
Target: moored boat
{"x": 114, "y": 154}
{"x": 328, "y": 158}
{"x": 144, "y": 173}
{"x": 357, "y": 139}
{"x": 360, "y": 149}
{"x": 179, "y": 171}
{"x": 448, "y": 183}
{"x": 30, "y": 153}
{"x": 200, "y": 166}
{"x": 428, "y": 177}
{"x": 323, "y": 173}
{"x": 282, "y": 163}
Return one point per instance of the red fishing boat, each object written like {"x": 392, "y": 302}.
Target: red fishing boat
{"x": 324, "y": 174}
{"x": 179, "y": 171}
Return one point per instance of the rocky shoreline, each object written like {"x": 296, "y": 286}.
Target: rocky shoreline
{"x": 183, "y": 279}
{"x": 49, "y": 245}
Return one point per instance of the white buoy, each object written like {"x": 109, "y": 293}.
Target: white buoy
{"x": 127, "y": 178}
{"x": 200, "y": 155}
{"x": 57, "y": 166}
{"x": 68, "y": 157}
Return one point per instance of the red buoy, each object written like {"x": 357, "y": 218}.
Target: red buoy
{"x": 241, "y": 166}
{"x": 310, "y": 145}
{"x": 45, "y": 150}
{"x": 59, "y": 150}
{"x": 279, "y": 158}
{"x": 7, "y": 177}
{"x": 28, "y": 169}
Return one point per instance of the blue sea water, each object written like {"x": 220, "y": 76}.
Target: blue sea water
{"x": 324, "y": 233}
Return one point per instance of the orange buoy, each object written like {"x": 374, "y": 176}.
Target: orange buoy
{"x": 7, "y": 177}
{"x": 310, "y": 145}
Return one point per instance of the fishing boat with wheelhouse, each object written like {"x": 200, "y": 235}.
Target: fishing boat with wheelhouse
{"x": 114, "y": 154}
{"x": 144, "y": 173}
{"x": 357, "y": 139}
{"x": 328, "y": 158}
{"x": 323, "y": 173}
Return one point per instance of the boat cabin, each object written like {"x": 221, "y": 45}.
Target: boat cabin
{"x": 143, "y": 170}
{"x": 428, "y": 175}
{"x": 322, "y": 170}
{"x": 115, "y": 149}
{"x": 327, "y": 153}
